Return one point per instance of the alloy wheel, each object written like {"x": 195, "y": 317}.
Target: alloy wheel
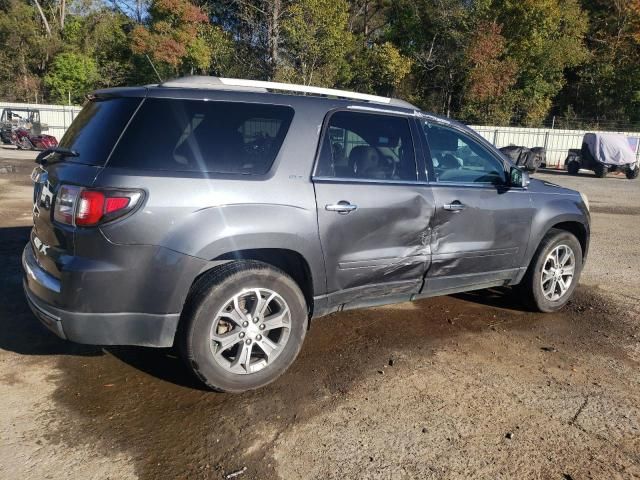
{"x": 558, "y": 271}
{"x": 250, "y": 331}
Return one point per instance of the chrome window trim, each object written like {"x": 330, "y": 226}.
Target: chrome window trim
{"x": 366, "y": 180}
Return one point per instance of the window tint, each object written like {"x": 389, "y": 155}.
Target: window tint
{"x": 96, "y": 129}
{"x": 198, "y": 136}
{"x": 367, "y": 146}
{"x": 458, "y": 158}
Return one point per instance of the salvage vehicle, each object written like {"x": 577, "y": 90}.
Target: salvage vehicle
{"x": 603, "y": 153}
{"x": 22, "y": 127}
{"x": 529, "y": 158}
{"x": 259, "y": 206}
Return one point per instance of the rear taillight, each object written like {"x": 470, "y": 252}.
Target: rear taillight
{"x": 89, "y": 207}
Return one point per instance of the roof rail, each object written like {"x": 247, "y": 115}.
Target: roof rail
{"x": 261, "y": 86}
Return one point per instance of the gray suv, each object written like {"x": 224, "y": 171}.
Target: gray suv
{"x": 221, "y": 215}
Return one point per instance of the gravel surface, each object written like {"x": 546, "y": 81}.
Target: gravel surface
{"x": 465, "y": 386}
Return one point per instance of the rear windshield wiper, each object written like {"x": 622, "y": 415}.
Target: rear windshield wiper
{"x": 63, "y": 152}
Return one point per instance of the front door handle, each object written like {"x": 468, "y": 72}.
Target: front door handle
{"x": 342, "y": 207}
{"x": 454, "y": 206}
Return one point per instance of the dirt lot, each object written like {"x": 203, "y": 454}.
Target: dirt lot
{"x": 468, "y": 386}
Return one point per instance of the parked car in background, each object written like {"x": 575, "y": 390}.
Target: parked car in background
{"x": 22, "y": 127}
{"x": 603, "y": 153}
{"x": 222, "y": 215}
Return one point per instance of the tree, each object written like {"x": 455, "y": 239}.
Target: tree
{"x": 72, "y": 76}
{"x": 25, "y": 52}
{"x": 379, "y": 69}
{"x": 317, "y": 41}
{"x": 175, "y": 37}
{"x": 544, "y": 38}
{"x": 487, "y": 96}
{"x": 607, "y": 87}
{"x": 434, "y": 35}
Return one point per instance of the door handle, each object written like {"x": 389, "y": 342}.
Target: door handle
{"x": 342, "y": 207}
{"x": 454, "y": 206}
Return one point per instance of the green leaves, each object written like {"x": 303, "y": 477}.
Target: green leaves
{"x": 72, "y": 75}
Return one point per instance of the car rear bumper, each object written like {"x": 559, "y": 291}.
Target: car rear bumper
{"x": 151, "y": 330}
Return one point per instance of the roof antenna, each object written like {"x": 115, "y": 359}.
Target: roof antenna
{"x": 154, "y": 68}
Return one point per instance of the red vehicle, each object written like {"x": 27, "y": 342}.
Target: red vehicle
{"x": 22, "y": 127}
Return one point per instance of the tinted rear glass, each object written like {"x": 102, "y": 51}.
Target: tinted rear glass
{"x": 96, "y": 129}
{"x": 199, "y": 136}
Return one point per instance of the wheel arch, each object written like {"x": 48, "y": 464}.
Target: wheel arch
{"x": 289, "y": 261}
{"x": 578, "y": 230}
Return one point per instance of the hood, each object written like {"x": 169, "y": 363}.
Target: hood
{"x": 543, "y": 186}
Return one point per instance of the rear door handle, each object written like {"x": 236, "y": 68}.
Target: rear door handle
{"x": 342, "y": 207}
{"x": 454, "y": 206}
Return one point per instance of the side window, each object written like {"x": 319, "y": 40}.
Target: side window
{"x": 197, "y": 136}
{"x": 459, "y": 158}
{"x": 367, "y": 146}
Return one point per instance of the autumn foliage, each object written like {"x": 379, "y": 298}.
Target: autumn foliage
{"x": 173, "y": 38}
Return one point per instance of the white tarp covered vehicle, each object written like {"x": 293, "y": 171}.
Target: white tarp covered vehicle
{"x": 603, "y": 153}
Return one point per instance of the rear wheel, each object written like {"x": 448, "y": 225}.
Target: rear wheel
{"x": 244, "y": 325}
{"x": 554, "y": 271}
{"x": 600, "y": 170}
{"x": 573, "y": 167}
{"x": 632, "y": 172}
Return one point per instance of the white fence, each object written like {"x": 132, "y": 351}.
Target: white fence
{"x": 56, "y": 117}
{"x": 556, "y": 142}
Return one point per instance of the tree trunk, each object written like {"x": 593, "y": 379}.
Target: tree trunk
{"x": 273, "y": 37}
{"x": 44, "y": 18}
{"x": 63, "y": 8}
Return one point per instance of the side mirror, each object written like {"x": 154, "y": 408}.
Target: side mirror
{"x": 518, "y": 178}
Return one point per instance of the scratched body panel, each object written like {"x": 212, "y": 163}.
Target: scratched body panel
{"x": 490, "y": 234}
{"x": 385, "y": 242}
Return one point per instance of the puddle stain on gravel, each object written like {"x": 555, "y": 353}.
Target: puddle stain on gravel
{"x": 144, "y": 402}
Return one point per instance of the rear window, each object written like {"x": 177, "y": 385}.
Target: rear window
{"x": 96, "y": 129}
{"x": 200, "y": 136}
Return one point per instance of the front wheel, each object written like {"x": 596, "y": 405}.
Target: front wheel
{"x": 632, "y": 172}
{"x": 244, "y": 326}
{"x": 573, "y": 167}
{"x": 554, "y": 271}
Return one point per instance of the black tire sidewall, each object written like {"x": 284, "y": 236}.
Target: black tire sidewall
{"x": 573, "y": 167}
{"x": 204, "y": 314}
{"x": 551, "y": 241}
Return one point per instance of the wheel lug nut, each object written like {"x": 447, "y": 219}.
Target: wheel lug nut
{"x": 262, "y": 327}
{"x": 245, "y": 324}
{"x": 258, "y": 337}
{"x": 241, "y": 335}
{"x": 248, "y": 341}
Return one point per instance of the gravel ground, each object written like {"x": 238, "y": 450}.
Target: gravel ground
{"x": 466, "y": 386}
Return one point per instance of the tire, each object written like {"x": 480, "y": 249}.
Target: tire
{"x": 573, "y": 167}
{"x": 532, "y": 287}
{"x": 632, "y": 173}
{"x": 600, "y": 170}
{"x": 210, "y": 304}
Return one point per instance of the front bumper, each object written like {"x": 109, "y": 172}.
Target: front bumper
{"x": 151, "y": 330}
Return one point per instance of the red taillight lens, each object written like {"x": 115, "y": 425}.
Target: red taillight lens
{"x": 85, "y": 208}
{"x": 113, "y": 204}
{"x": 90, "y": 208}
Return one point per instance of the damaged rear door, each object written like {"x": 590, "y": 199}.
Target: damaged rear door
{"x": 374, "y": 209}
